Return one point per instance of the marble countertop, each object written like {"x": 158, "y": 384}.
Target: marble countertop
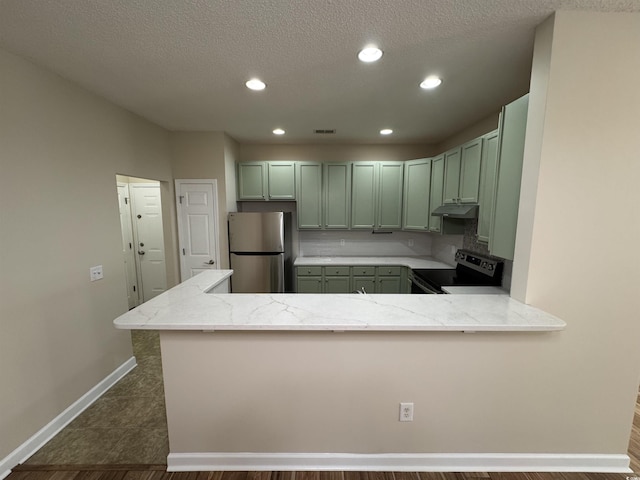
{"x": 411, "y": 262}
{"x": 475, "y": 290}
{"x": 188, "y": 306}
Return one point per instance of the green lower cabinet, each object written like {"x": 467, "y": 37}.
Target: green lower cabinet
{"x": 309, "y": 279}
{"x": 344, "y": 279}
{"x": 337, "y": 279}
{"x": 366, "y": 283}
{"x": 337, "y": 285}
{"x": 309, "y": 284}
{"x": 389, "y": 285}
{"x": 389, "y": 279}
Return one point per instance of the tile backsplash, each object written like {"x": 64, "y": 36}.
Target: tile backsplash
{"x": 363, "y": 243}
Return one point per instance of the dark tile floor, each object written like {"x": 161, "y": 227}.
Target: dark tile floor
{"x": 127, "y": 425}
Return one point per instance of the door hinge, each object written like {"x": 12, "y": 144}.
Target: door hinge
{"x": 126, "y": 200}
{"x": 180, "y": 198}
{"x": 134, "y": 288}
{"x": 183, "y": 252}
{"x": 130, "y": 246}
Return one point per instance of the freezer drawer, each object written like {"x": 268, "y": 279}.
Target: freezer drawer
{"x": 257, "y": 273}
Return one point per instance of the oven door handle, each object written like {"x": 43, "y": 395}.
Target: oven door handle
{"x": 424, "y": 287}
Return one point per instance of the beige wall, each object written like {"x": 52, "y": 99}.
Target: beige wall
{"x": 208, "y": 155}
{"x": 333, "y": 153}
{"x": 474, "y": 131}
{"x": 61, "y": 150}
{"x": 572, "y": 391}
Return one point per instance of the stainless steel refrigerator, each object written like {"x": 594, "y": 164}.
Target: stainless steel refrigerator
{"x": 260, "y": 252}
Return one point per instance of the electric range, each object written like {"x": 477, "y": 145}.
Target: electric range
{"x": 472, "y": 270}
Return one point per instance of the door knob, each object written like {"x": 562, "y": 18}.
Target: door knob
{"x": 140, "y": 252}
{"x": 210, "y": 262}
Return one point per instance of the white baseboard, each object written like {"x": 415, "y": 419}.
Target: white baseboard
{"x": 453, "y": 462}
{"x": 51, "y": 429}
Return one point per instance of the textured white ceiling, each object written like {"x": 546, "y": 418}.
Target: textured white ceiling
{"x": 182, "y": 63}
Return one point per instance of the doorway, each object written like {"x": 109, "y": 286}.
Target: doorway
{"x": 143, "y": 252}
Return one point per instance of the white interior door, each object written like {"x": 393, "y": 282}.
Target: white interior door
{"x": 128, "y": 255}
{"x": 149, "y": 240}
{"x": 197, "y": 207}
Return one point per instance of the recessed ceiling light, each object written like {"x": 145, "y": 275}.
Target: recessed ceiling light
{"x": 430, "y": 82}
{"x": 256, "y": 84}
{"x": 278, "y": 131}
{"x": 386, "y": 131}
{"x": 370, "y": 54}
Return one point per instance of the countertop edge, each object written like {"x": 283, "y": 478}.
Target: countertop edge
{"x": 188, "y": 307}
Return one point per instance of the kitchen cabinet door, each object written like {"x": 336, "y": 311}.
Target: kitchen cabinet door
{"x": 513, "y": 123}
{"x": 470, "y": 162}
{"x": 309, "y": 198}
{"x": 417, "y": 188}
{"x": 389, "y": 279}
{"x": 390, "y": 177}
{"x": 363, "y": 194}
{"x": 435, "y": 196}
{"x": 281, "y": 180}
{"x": 252, "y": 181}
{"x": 487, "y": 185}
{"x": 451, "y": 175}
{"x": 309, "y": 284}
{"x": 389, "y": 285}
{"x": 337, "y": 284}
{"x": 368, "y": 283}
{"x": 337, "y": 194}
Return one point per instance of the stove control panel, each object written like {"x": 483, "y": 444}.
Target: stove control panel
{"x": 485, "y": 265}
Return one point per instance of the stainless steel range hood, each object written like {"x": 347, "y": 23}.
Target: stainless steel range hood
{"x": 456, "y": 211}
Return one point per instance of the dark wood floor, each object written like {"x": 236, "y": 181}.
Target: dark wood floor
{"x": 157, "y": 472}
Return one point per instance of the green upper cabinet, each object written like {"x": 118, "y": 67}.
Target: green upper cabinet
{"x": 281, "y": 180}
{"x": 451, "y": 175}
{"x": 363, "y": 194}
{"x": 266, "y": 181}
{"x": 435, "y": 196}
{"x": 323, "y": 195}
{"x": 390, "y": 181}
{"x": 376, "y": 195}
{"x": 462, "y": 173}
{"x": 252, "y": 181}
{"x": 487, "y": 185}
{"x": 309, "y": 207}
{"x": 470, "y": 162}
{"x": 337, "y": 194}
{"x": 513, "y": 123}
{"x": 417, "y": 183}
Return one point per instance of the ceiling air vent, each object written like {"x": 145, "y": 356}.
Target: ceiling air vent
{"x": 325, "y": 132}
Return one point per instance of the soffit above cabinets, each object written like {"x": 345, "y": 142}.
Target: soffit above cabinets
{"x": 183, "y": 65}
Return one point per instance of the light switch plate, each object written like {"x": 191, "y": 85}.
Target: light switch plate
{"x": 95, "y": 273}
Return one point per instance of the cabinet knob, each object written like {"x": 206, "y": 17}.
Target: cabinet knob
{"x": 308, "y": 271}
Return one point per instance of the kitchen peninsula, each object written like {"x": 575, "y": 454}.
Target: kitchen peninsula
{"x": 290, "y": 381}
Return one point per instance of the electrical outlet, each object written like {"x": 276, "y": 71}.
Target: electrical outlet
{"x": 342, "y": 242}
{"x": 95, "y": 273}
{"x": 410, "y": 242}
{"x": 406, "y": 412}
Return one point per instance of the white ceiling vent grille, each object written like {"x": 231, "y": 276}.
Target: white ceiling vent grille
{"x": 325, "y": 131}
